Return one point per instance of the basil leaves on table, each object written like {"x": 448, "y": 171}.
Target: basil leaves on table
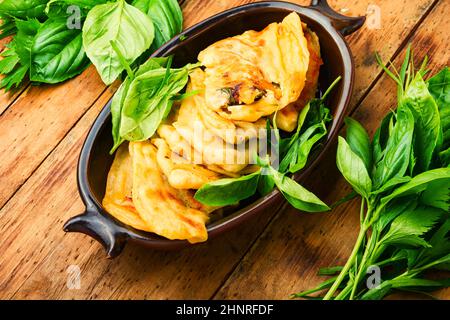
{"x": 137, "y": 30}
{"x": 426, "y": 115}
{"x": 23, "y": 9}
{"x": 17, "y": 57}
{"x": 24, "y": 40}
{"x": 167, "y": 17}
{"x": 87, "y": 4}
{"x": 57, "y": 52}
{"x": 403, "y": 178}
{"x": 130, "y": 28}
{"x": 439, "y": 87}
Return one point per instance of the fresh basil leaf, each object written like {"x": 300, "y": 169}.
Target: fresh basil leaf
{"x": 7, "y": 27}
{"x": 305, "y": 144}
{"x": 74, "y": 10}
{"x": 388, "y": 186}
{"x": 427, "y": 121}
{"x": 317, "y": 113}
{"x": 16, "y": 61}
{"x": 23, "y": 41}
{"x": 407, "y": 228}
{"x": 377, "y": 293}
{"x": 329, "y": 271}
{"x": 265, "y": 184}
{"x": 23, "y": 9}
{"x": 15, "y": 78}
{"x": 440, "y": 248}
{"x": 57, "y": 53}
{"x": 352, "y": 195}
{"x": 147, "y": 93}
{"x": 445, "y": 157}
{"x": 359, "y": 141}
{"x": 403, "y": 282}
{"x": 396, "y": 156}
{"x": 353, "y": 169}
{"x": 127, "y": 26}
{"x": 380, "y": 139}
{"x": 116, "y": 110}
{"x": 439, "y": 87}
{"x": 302, "y": 118}
{"x": 166, "y": 16}
{"x": 444, "y": 114}
{"x": 228, "y": 191}
{"x": 119, "y": 97}
{"x": 324, "y": 285}
{"x": 394, "y": 209}
{"x": 437, "y": 194}
{"x": 419, "y": 183}
{"x": 152, "y": 64}
{"x": 10, "y": 60}
{"x": 296, "y": 195}
{"x": 289, "y": 158}
{"x": 150, "y": 123}
{"x": 310, "y": 129}
{"x": 88, "y": 4}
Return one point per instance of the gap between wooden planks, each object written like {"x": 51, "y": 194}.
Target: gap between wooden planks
{"x": 39, "y": 271}
{"x": 299, "y": 244}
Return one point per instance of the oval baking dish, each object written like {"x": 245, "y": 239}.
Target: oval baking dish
{"x": 95, "y": 161}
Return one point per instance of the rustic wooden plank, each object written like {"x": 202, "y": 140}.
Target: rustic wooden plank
{"x": 8, "y": 98}
{"x": 298, "y": 244}
{"x": 37, "y": 121}
{"x": 27, "y": 223}
{"x": 36, "y": 253}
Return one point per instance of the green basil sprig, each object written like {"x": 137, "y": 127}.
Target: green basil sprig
{"x": 127, "y": 26}
{"x": 167, "y": 17}
{"x": 145, "y": 98}
{"x": 403, "y": 178}
{"x": 57, "y": 52}
{"x": 23, "y": 9}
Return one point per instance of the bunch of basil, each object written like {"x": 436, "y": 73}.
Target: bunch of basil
{"x": 403, "y": 179}
{"x": 55, "y": 40}
{"x": 145, "y": 98}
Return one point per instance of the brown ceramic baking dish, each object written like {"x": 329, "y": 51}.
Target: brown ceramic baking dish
{"x": 95, "y": 161}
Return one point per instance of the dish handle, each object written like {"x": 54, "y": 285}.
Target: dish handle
{"x": 96, "y": 225}
{"x": 345, "y": 25}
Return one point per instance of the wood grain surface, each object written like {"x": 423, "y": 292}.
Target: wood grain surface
{"x": 41, "y": 133}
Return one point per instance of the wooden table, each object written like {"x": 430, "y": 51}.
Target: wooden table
{"x": 41, "y": 133}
